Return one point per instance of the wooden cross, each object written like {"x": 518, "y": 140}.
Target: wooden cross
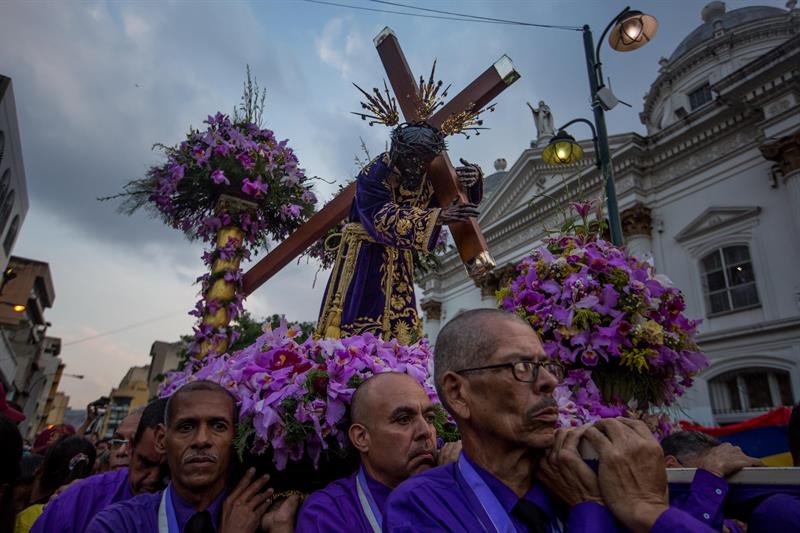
{"x": 467, "y": 235}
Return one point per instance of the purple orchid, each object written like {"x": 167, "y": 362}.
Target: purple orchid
{"x": 219, "y": 178}
{"x": 599, "y": 310}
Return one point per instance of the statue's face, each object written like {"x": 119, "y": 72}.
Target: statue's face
{"x": 414, "y": 165}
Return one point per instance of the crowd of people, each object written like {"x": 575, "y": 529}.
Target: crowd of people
{"x": 171, "y": 467}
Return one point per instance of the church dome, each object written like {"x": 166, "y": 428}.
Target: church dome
{"x": 728, "y": 20}
{"x": 725, "y": 42}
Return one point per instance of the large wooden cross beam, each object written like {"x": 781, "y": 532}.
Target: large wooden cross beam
{"x": 467, "y": 235}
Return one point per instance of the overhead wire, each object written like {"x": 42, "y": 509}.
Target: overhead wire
{"x": 376, "y": 10}
{"x": 123, "y": 328}
{"x": 479, "y": 17}
{"x": 441, "y": 14}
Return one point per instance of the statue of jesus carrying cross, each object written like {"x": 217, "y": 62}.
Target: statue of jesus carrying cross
{"x": 394, "y": 213}
{"x": 398, "y": 203}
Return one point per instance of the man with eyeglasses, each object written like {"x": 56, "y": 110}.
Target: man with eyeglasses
{"x": 120, "y": 440}
{"x": 492, "y": 374}
{"x": 73, "y": 509}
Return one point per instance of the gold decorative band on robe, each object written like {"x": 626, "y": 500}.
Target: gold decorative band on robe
{"x": 330, "y": 321}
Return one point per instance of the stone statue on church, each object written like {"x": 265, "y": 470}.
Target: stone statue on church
{"x": 543, "y": 118}
{"x": 371, "y": 287}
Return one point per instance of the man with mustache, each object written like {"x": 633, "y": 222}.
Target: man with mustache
{"x": 79, "y": 502}
{"x": 197, "y": 439}
{"x": 392, "y": 429}
{"x": 492, "y": 374}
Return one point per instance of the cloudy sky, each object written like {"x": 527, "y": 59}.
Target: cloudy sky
{"x": 97, "y": 83}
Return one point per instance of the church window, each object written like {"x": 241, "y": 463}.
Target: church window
{"x": 11, "y": 236}
{"x": 5, "y": 183}
{"x": 750, "y": 389}
{"x": 5, "y": 210}
{"x": 728, "y": 280}
{"x": 700, "y": 96}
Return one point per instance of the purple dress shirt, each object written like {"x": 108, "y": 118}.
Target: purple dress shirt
{"x": 72, "y": 510}
{"x": 140, "y": 514}
{"x": 763, "y": 507}
{"x": 780, "y": 512}
{"x": 337, "y": 508}
{"x": 440, "y": 500}
{"x": 705, "y": 500}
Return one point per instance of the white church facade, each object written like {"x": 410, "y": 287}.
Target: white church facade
{"x": 711, "y": 194}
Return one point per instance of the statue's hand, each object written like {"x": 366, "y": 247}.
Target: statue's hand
{"x": 457, "y": 213}
{"x": 468, "y": 174}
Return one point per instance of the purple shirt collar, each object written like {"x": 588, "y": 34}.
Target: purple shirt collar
{"x": 184, "y": 510}
{"x": 508, "y": 498}
{"x": 379, "y": 491}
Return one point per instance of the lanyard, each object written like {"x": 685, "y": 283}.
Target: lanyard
{"x": 167, "y": 521}
{"x": 486, "y": 498}
{"x": 368, "y": 504}
{"x": 481, "y": 492}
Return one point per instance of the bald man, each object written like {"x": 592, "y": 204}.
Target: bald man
{"x": 392, "y": 429}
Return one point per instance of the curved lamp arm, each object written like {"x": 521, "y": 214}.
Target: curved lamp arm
{"x": 605, "y": 32}
{"x": 594, "y": 136}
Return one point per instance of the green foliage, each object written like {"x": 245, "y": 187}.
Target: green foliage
{"x": 445, "y": 428}
{"x": 244, "y": 431}
{"x": 249, "y": 329}
{"x": 251, "y": 108}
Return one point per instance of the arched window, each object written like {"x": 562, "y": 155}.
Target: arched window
{"x": 5, "y": 210}
{"x": 751, "y": 389}
{"x": 11, "y": 236}
{"x": 5, "y": 183}
{"x": 728, "y": 280}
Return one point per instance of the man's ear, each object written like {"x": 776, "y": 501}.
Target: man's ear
{"x": 160, "y": 435}
{"x": 456, "y": 393}
{"x": 670, "y": 461}
{"x": 359, "y": 436}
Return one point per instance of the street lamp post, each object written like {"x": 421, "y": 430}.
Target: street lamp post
{"x": 595, "y": 70}
{"x": 631, "y": 30}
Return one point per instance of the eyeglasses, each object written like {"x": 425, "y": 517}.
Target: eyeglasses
{"x": 526, "y": 371}
{"x": 118, "y": 443}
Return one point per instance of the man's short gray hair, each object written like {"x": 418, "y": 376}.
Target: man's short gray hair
{"x": 467, "y": 341}
{"x": 197, "y": 386}
{"x": 687, "y": 445}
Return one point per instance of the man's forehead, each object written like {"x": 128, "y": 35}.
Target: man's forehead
{"x": 202, "y": 404}
{"x": 514, "y": 341}
{"x": 398, "y": 393}
{"x": 129, "y": 423}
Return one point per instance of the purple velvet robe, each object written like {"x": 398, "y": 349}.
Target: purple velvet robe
{"x": 140, "y": 514}
{"x": 74, "y": 508}
{"x": 371, "y": 287}
{"x": 336, "y": 508}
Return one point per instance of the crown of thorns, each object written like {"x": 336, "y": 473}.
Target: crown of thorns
{"x": 417, "y": 137}
{"x": 381, "y": 107}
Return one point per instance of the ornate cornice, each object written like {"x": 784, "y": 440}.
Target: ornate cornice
{"x": 785, "y": 152}
{"x": 498, "y": 278}
{"x": 432, "y": 309}
{"x": 636, "y": 220}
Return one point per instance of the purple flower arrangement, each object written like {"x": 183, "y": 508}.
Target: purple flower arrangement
{"x": 237, "y": 159}
{"x": 236, "y": 187}
{"x": 294, "y": 397}
{"x": 619, "y": 328}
